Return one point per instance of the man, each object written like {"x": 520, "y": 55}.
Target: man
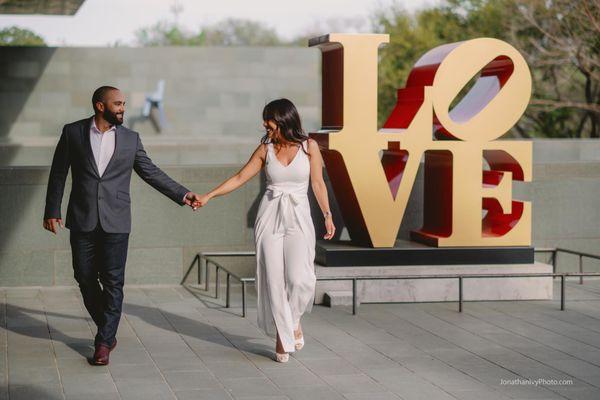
{"x": 101, "y": 154}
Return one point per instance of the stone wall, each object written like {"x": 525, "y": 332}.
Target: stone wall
{"x": 213, "y": 98}
{"x": 209, "y": 91}
{"x": 166, "y": 237}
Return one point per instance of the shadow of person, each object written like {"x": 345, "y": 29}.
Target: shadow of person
{"x": 26, "y": 325}
{"x": 225, "y": 336}
{"x": 45, "y": 392}
{"x": 317, "y": 214}
{"x": 253, "y": 209}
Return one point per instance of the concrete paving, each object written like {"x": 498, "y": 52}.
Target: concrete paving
{"x": 178, "y": 343}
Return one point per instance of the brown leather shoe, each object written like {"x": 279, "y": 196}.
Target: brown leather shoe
{"x": 102, "y": 353}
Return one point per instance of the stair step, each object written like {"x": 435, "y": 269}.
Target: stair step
{"x": 338, "y": 298}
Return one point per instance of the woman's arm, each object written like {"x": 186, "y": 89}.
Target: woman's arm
{"x": 252, "y": 167}
{"x": 318, "y": 186}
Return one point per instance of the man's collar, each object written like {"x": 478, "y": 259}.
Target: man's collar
{"x": 112, "y": 127}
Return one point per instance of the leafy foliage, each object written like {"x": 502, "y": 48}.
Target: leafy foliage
{"x": 560, "y": 39}
{"x": 231, "y": 32}
{"x": 15, "y": 36}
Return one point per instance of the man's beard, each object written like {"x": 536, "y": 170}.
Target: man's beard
{"x": 112, "y": 118}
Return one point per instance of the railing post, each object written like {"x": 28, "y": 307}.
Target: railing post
{"x": 581, "y": 269}
{"x": 460, "y": 294}
{"x": 554, "y": 260}
{"x": 562, "y": 292}
{"x": 206, "y": 275}
{"x": 200, "y": 263}
{"x": 227, "y": 290}
{"x": 354, "y": 300}
{"x": 217, "y": 283}
{"x": 244, "y": 299}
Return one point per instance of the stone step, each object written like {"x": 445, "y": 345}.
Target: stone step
{"x": 338, "y": 298}
{"x": 177, "y": 150}
{"x": 427, "y": 290}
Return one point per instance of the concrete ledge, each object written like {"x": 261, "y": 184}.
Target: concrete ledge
{"x": 338, "y": 298}
{"x": 419, "y": 290}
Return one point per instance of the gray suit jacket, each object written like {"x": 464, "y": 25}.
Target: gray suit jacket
{"x": 104, "y": 199}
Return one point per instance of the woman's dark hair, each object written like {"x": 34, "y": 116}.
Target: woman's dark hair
{"x": 285, "y": 115}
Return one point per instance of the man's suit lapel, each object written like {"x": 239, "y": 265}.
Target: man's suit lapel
{"x": 85, "y": 139}
{"x": 118, "y": 131}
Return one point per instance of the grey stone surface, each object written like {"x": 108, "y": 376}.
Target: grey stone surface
{"x": 208, "y": 91}
{"x": 419, "y": 290}
{"x": 564, "y": 214}
{"x": 163, "y": 242}
{"x": 213, "y": 99}
{"x": 337, "y": 298}
{"x": 177, "y": 343}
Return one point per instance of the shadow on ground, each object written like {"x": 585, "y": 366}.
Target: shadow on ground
{"x": 36, "y": 328}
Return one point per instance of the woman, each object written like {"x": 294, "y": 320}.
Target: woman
{"x": 284, "y": 231}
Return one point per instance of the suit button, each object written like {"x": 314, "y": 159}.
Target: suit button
{"x": 100, "y": 198}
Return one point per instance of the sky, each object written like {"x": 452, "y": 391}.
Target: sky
{"x": 106, "y": 22}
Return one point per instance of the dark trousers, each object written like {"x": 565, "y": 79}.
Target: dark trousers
{"x": 99, "y": 265}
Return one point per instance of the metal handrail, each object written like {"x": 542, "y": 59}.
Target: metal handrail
{"x": 556, "y": 250}
{"x": 200, "y": 257}
{"x": 355, "y": 279}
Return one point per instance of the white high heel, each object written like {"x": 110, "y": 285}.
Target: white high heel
{"x": 299, "y": 343}
{"x": 282, "y": 357}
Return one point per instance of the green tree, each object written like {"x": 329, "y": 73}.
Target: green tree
{"x": 240, "y": 32}
{"x": 329, "y": 25}
{"x": 230, "y": 32}
{"x": 168, "y": 34}
{"x": 412, "y": 35}
{"x": 560, "y": 40}
{"x": 15, "y": 36}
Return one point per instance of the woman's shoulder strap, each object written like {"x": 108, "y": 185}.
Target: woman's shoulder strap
{"x": 305, "y": 145}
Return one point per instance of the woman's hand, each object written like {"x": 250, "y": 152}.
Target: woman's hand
{"x": 329, "y": 227}
{"x": 202, "y": 200}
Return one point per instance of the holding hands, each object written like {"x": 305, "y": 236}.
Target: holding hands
{"x": 202, "y": 200}
{"x": 191, "y": 199}
{"x": 195, "y": 200}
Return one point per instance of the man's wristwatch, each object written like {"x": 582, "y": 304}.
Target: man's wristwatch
{"x": 327, "y": 214}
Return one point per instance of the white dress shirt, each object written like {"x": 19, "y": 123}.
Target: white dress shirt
{"x": 103, "y": 145}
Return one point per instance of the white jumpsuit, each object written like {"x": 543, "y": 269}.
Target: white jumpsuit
{"x": 285, "y": 248}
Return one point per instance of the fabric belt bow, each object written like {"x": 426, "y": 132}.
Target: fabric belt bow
{"x": 287, "y": 214}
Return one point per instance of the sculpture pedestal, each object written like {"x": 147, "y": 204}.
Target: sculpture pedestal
{"x": 410, "y": 259}
{"x": 344, "y": 253}
{"x": 425, "y": 290}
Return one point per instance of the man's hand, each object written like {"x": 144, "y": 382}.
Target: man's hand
{"x": 52, "y": 224}
{"x": 193, "y": 200}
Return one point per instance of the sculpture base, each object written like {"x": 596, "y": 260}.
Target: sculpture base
{"x": 425, "y": 290}
{"x": 344, "y": 253}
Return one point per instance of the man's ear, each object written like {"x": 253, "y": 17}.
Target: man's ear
{"x": 100, "y": 106}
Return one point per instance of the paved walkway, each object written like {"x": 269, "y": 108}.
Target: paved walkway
{"x": 174, "y": 345}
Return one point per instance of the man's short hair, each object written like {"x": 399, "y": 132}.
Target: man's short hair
{"x": 100, "y": 94}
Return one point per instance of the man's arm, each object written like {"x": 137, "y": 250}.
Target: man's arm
{"x": 56, "y": 183}
{"x": 156, "y": 178}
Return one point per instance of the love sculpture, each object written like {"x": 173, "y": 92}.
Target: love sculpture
{"x": 468, "y": 174}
